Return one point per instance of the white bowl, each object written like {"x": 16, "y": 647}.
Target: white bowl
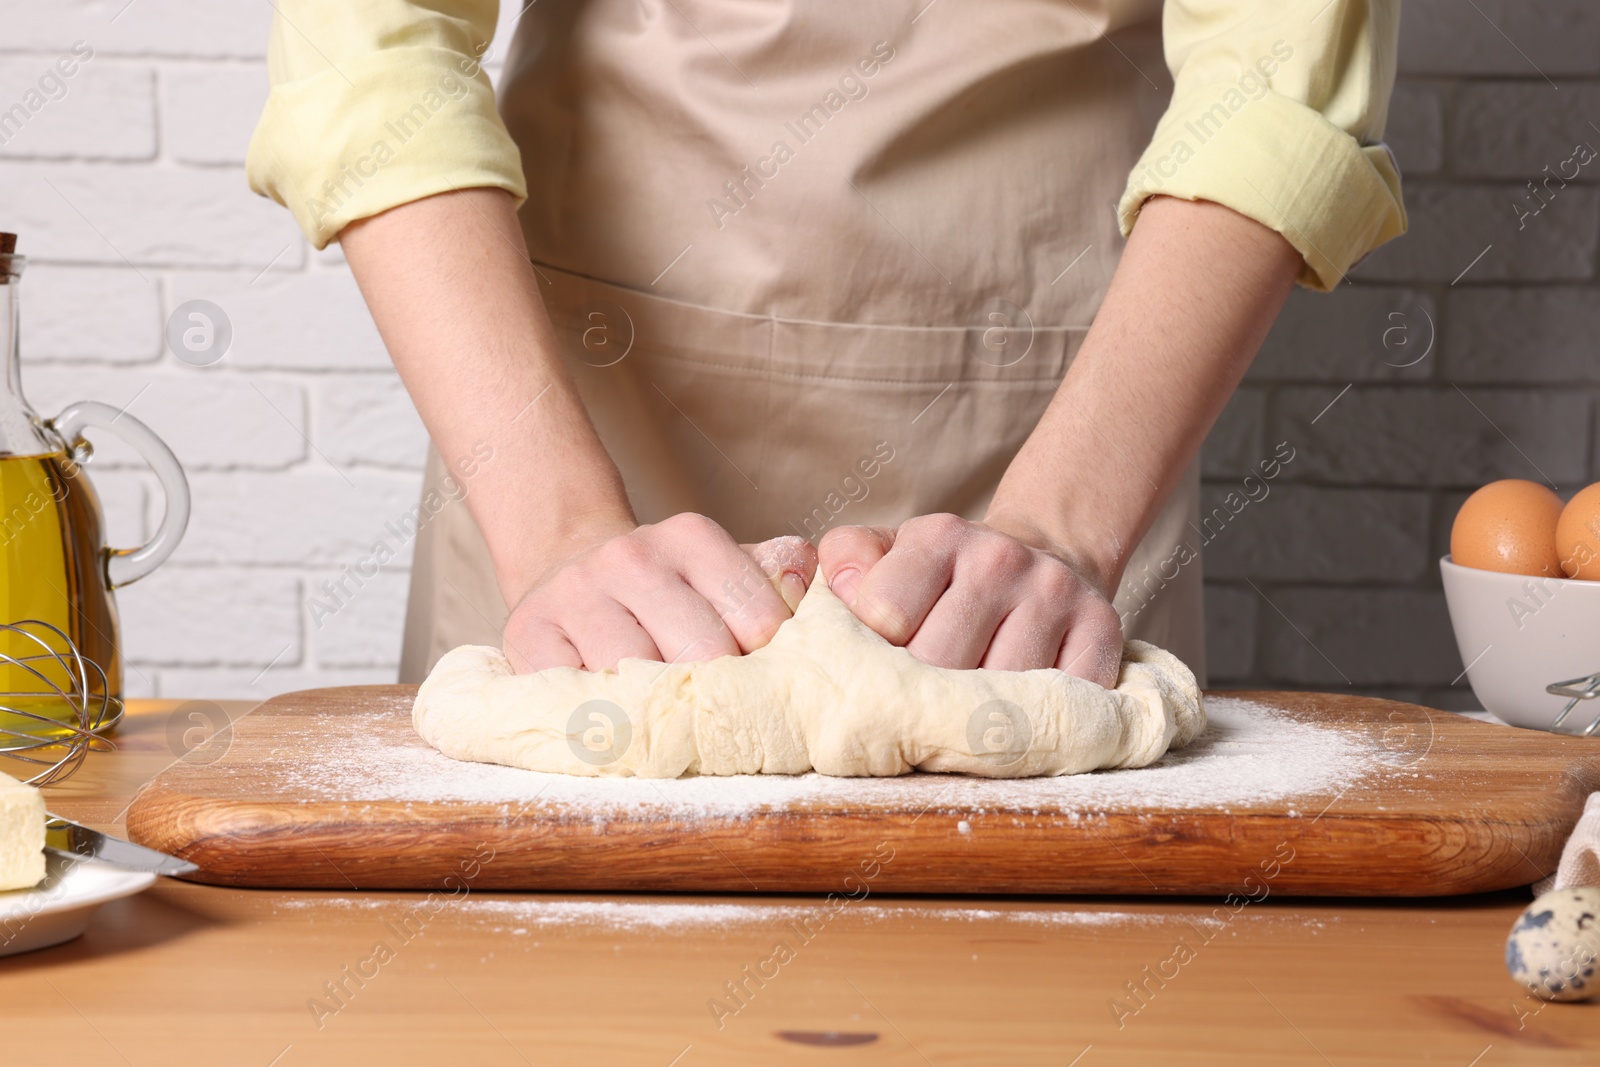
{"x": 1519, "y": 634}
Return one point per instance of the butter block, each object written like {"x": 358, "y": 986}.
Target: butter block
{"x": 21, "y": 835}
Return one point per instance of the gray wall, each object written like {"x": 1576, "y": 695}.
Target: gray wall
{"x": 1331, "y": 581}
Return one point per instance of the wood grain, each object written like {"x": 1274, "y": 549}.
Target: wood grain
{"x": 194, "y": 974}
{"x": 1462, "y": 807}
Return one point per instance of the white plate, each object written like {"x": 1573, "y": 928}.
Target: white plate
{"x": 58, "y": 909}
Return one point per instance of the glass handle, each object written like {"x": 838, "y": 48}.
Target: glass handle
{"x": 126, "y": 565}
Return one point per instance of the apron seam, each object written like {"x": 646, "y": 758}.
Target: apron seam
{"x": 774, "y": 321}
{"x": 801, "y": 376}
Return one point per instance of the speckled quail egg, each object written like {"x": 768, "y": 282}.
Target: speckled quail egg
{"x": 1554, "y": 948}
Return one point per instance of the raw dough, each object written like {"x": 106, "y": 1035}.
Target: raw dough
{"x": 826, "y": 693}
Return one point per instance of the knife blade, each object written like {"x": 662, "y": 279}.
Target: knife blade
{"x": 64, "y": 835}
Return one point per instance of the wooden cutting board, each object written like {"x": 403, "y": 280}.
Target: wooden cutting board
{"x": 1287, "y": 793}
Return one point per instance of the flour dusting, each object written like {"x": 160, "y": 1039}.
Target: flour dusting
{"x": 1252, "y": 756}
{"x": 536, "y": 913}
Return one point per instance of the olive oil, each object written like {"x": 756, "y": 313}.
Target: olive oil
{"x": 53, "y": 569}
{"x": 60, "y": 665}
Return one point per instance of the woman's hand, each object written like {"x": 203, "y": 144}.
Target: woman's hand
{"x": 681, "y": 590}
{"x": 963, "y": 594}
{"x": 1195, "y": 292}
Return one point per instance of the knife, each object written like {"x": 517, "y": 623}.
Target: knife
{"x": 68, "y": 838}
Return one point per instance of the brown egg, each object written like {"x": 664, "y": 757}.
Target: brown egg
{"x": 1508, "y": 526}
{"x": 1578, "y": 535}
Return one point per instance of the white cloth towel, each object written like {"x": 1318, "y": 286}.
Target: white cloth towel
{"x": 1580, "y": 860}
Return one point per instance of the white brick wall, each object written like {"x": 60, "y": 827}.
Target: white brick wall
{"x": 105, "y": 112}
{"x": 127, "y": 188}
{"x": 129, "y": 194}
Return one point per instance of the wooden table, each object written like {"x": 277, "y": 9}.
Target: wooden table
{"x": 195, "y": 974}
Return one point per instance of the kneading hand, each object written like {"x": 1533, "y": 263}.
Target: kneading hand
{"x": 961, "y": 594}
{"x": 680, "y": 590}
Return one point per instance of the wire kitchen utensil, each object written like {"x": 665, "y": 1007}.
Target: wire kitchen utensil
{"x": 59, "y": 743}
{"x": 1585, "y": 688}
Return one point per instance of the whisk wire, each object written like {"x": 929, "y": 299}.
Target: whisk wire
{"x": 1585, "y": 688}
{"x": 59, "y": 743}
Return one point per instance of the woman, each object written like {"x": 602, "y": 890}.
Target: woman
{"x": 826, "y": 269}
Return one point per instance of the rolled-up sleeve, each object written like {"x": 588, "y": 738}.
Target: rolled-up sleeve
{"x": 1278, "y": 109}
{"x": 375, "y": 103}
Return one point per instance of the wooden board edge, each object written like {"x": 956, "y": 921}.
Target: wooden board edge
{"x": 267, "y": 844}
{"x": 264, "y": 846}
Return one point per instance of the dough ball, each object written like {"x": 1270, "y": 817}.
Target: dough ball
{"x": 1554, "y": 948}
{"x": 825, "y": 694}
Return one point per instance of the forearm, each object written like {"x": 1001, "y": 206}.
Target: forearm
{"x": 1197, "y": 289}
{"x": 456, "y": 300}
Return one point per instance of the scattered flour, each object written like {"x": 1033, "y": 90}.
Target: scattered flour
{"x": 534, "y": 913}
{"x": 1251, "y": 757}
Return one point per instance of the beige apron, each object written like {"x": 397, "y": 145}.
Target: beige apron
{"x": 820, "y": 263}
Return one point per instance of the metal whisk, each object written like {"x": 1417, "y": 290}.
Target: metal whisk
{"x": 61, "y": 742}
{"x": 1585, "y": 688}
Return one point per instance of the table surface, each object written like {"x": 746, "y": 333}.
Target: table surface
{"x": 197, "y": 974}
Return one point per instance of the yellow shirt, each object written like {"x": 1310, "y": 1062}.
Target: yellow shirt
{"x": 1277, "y": 112}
